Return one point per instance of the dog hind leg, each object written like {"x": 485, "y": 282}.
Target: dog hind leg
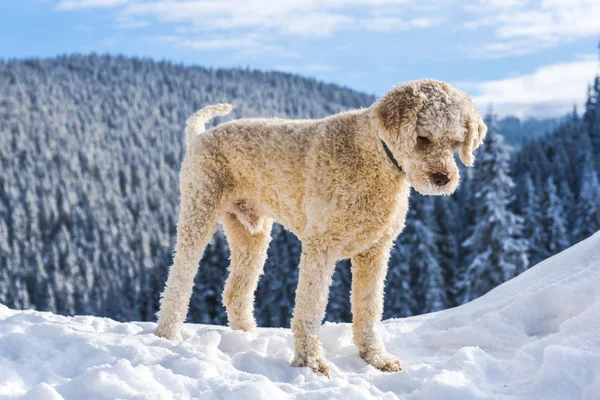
{"x": 201, "y": 203}
{"x": 248, "y": 256}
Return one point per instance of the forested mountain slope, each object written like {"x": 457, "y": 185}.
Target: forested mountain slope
{"x": 90, "y": 148}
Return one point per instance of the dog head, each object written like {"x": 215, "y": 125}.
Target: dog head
{"x": 424, "y": 123}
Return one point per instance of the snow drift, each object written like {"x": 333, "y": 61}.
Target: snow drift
{"x": 534, "y": 337}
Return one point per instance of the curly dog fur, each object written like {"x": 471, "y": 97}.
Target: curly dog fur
{"x": 330, "y": 182}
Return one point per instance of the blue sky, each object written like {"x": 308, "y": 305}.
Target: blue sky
{"x": 530, "y": 58}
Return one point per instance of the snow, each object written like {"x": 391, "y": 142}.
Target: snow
{"x": 534, "y": 337}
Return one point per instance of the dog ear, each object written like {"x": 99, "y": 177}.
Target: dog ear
{"x": 476, "y": 130}
{"x": 395, "y": 116}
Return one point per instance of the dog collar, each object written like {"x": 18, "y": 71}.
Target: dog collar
{"x": 391, "y": 155}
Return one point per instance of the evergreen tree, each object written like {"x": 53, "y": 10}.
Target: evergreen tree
{"x": 574, "y": 142}
{"x": 275, "y": 295}
{"x": 588, "y": 217}
{"x": 206, "y": 304}
{"x": 591, "y": 118}
{"x": 497, "y": 249}
{"x": 399, "y": 300}
{"x": 89, "y": 184}
{"x": 591, "y": 115}
{"x": 447, "y": 245}
{"x": 553, "y": 222}
{"x": 427, "y": 275}
{"x": 532, "y": 222}
{"x": 569, "y": 207}
{"x": 340, "y": 309}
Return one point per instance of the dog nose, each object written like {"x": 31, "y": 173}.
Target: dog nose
{"x": 439, "y": 178}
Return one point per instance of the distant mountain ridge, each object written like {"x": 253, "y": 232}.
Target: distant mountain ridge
{"x": 91, "y": 149}
{"x": 516, "y": 131}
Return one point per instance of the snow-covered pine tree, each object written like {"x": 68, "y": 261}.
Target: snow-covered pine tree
{"x": 340, "y": 310}
{"x": 588, "y": 208}
{"x": 533, "y": 160}
{"x": 466, "y": 221}
{"x": 593, "y": 92}
{"x": 591, "y": 117}
{"x": 99, "y": 158}
{"x": 427, "y": 275}
{"x": 497, "y": 250}
{"x": 447, "y": 245}
{"x": 530, "y": 210}
{"x": 277, "y": 288}
{"x": 553, "y": 223}
{"x": 206, "y": 304}
{"x": 569, "y": 206}
{"x": 399, "y": 300}
{"x": 573, "y": 141}
{"x": 595, "y": 129}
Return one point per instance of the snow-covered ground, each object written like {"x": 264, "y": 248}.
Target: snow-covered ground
{"x": 535, "y": 337}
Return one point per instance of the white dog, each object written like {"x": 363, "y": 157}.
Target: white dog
{"x": 340, "y": 183}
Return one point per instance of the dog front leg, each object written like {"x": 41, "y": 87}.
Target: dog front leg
{"x": 316, "y": 270}
{"x": 368, "y": 276}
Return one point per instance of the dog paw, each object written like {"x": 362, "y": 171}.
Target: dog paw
{"x": 170, "y": 334}
{"x": 383, "y": 362}
{"x": 318, "y": 365}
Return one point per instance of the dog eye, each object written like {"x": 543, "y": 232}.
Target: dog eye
{"x": 422, "y": 140}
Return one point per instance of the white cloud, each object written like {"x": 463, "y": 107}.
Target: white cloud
{"x": 304, "y": 68}
{"x": 195, "y": 22}
{"x": 389, "y": 24}
{"x": 314, "y": 24}
{"x": 249, "y": 45}
{"x": 518, "y": 27}
{"x": 69, "y": 5}
{"x": 131, "y": 23}
{"x": 505, "y": 48}
{"x": 209, "y": 44}
{"x": 522, "y": 27}
{"x": 208, "y": 24}
{"x": 301, "y": 18}
{"x": 549, "y": 90}
{"x": 307, "y": 18}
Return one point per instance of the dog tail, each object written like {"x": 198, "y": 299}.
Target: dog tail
{"x": 195, "y": 124}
